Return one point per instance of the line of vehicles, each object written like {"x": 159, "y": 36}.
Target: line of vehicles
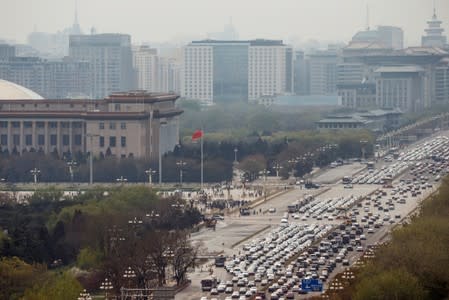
{"x": 272, "y": 267}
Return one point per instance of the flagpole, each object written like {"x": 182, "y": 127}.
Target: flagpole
{"x": 202, "y": 170}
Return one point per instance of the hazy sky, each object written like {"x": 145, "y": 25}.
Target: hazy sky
{"x": 166, "y": 20}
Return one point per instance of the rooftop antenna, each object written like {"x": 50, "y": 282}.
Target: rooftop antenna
{"x": 434, "y": 9}
{"x": 76, "y": 12}
{"x": 367, "y": 16}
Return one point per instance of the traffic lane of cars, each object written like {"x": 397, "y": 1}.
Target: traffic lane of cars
{"x": 348, "y": 192}
{"x": 406, "y": 203}
{"x": 371, "y": 238}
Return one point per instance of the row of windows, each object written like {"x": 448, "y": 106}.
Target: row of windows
{"x": 47, "y": 105}
{"x": 112, "y": 125}
{"x": 29, "y": 124}
{"x": 16, "y": 141}
{"x": 112, "y": 141}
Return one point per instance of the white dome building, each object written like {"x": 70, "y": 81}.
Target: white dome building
{"x": 12, "y": 91}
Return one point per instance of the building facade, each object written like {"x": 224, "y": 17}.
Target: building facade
{"x": 323, "y": 72}
{"x": 146, "y": 64}
{"x": 110, "y": 59}
{"x": 375, "y": 120}
{"x": 300, "y": 74}
{"x": 442, "y": 82}
{"x": 59, "y": 79}
{"x": 227, "y": 71}
{"x": 403, "y": 87}
{"x": 137, "y": 124}
{"x": 7, "y": 51}
{"x": 390, "y": 37}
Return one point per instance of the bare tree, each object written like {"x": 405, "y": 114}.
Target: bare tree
{"x": 184, "y": 256}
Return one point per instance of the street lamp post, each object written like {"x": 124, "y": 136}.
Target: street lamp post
{"x": 71, "y": 165}
{"x": 264, "y": 172}
{"x": 161, "y": 125}
{"x": 35, "y": 172}
{"x": 180, "y": 164}
{"x": 122, "y": 180}
{"x": 84, "y": 295}
{"x": 129, "y": 275}
{"x": 106, "y": 285}
{"x": 293, "y": 162}
{"x": 91, "y": 157}
{"x": 277, "y": 167}
{"x": 135, "y": 221}
{"x": 150, "y": 173}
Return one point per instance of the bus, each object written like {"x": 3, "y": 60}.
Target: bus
{"x": 370, "y": 165}
{"x": 208, "y": 284}
{"x": 220, "y": 261}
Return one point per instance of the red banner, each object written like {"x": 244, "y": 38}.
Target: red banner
{"x": 197, "y": 134}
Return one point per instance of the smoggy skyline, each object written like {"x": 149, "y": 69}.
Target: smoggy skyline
{"x": 160, "y": 21}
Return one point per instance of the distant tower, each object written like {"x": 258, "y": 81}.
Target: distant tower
{"x": 76, "y": 29}
{"x": 434, "y": 32}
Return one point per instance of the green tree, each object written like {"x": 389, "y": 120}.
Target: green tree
{"x": 58, "y": 287}
{"x": 88, "y": 258}
{"x": 16, "y": 275}
{"x": 390, "y": 285}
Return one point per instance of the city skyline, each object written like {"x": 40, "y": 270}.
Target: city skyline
{"x": 290, "y": 20}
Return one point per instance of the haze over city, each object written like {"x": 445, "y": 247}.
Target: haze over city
{"x": 220, "y": 150}
{"x": 294, "y": 21}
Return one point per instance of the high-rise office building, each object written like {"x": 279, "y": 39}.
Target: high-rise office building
{"x": 323, "y": 72}
{"x": 110, "y": 58}
{"x": 226, "y": 71}
{"x": 7, "y": 51}
{"x": 388, "y": 36}
{"x": 59, "y": 79}
{"x": 154, "y": 72}
{"x": 146, "y": 64}
{"x": 301, "y": 78}
{"x": 169, "y": 75}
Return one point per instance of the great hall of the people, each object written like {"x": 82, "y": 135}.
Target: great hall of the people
{"x": 136, "y": 123}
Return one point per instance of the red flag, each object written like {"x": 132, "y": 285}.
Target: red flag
{"x": 197, "y": 134}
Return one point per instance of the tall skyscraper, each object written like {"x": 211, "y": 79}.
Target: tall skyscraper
{"x": 225, "y": 71}
{"x": 323, "y": 72}
{"x": 110, "y": 57}
{"x": 146, "y": 64}
{"x": 434, "y": 33}
{"x": 154, "y": 72}
{"x": 301, "y": 78}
